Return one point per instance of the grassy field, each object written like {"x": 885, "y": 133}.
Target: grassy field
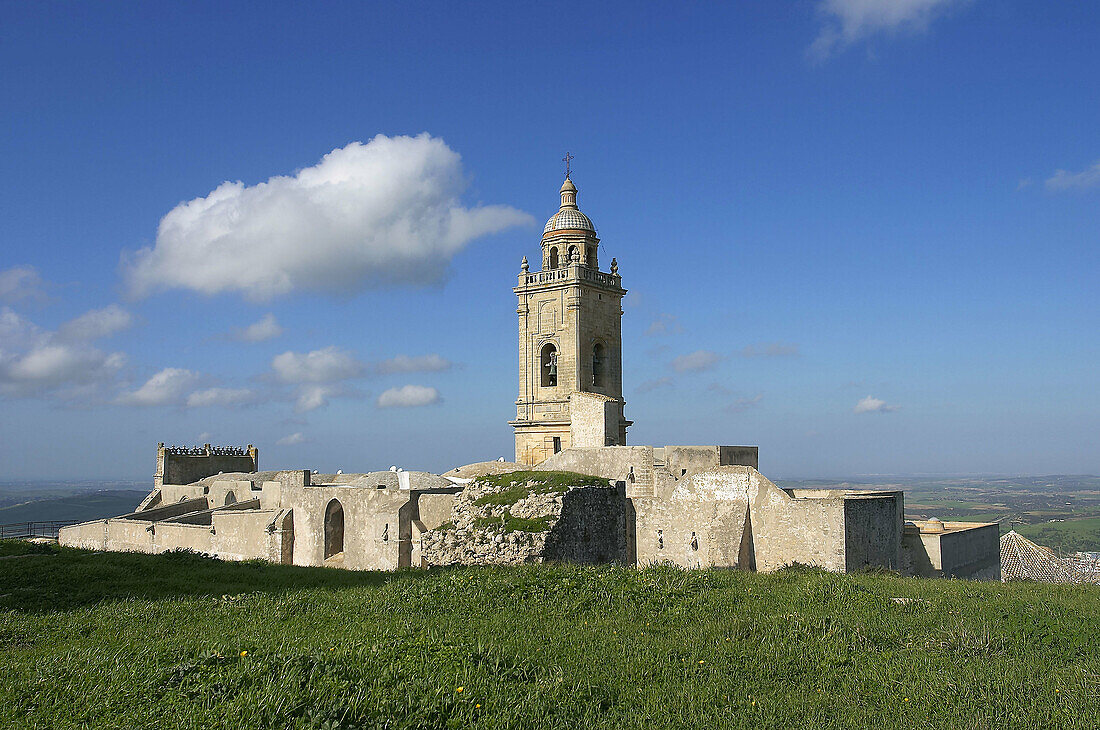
{"x": 131, "y": 641}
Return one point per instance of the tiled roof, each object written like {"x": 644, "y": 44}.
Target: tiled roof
{"x": 1021, "y": 559}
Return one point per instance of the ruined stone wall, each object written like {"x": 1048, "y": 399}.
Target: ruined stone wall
{"x": 579, "y": 524}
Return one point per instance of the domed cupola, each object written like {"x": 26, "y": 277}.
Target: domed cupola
{"x": 568, "y": 217}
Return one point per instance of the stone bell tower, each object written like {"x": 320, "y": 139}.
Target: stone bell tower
{"x": 570, "y": 342}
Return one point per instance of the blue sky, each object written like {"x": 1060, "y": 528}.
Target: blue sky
{"x": 860, "y": 234}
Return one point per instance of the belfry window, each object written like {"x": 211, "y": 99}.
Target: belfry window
{"x": 574, "y": 255}
{"x": 548, "y": 366}
{"x": 553, "y": 260}
{"x": 597, "y": 365}
{"x": 592, "y": 257}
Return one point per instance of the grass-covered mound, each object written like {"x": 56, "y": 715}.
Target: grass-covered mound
{"x": 516, "y": 485}
{"x": 126, "y": 641}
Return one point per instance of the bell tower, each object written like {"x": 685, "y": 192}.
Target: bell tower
{"x": 570, "y": 342}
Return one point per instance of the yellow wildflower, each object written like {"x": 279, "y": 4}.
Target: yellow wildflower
{"x": 477, "y": 707}
{"x": 459, "y": 689}
{"x": 701, "y": 661}
{"x": 244, "y": 653}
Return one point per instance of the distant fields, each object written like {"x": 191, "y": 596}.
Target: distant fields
{"x": 1065, "y": 537}
{"x": 81, "y": 507}
{"x": 132, "y": 641}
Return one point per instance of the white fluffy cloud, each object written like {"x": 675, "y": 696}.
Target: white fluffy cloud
{"x": 221, "y": 397}
{"x": 849, "y": 21}
{"x": 408, "y": 396}
{"x": 695, "y": 361}
{"x": 267, "y": 328}
{"x": 292, "y": 440}
{"x": 21, "y": 283}
{"x": 34, "y": 362}
{"x": 367, "y": 215}
{"x": 96, "y": 323}
{"x": 871, "y": 404}
{"x": 1066, "y": 180}
{"x": 165, "y": 388}
{"x": 433, "y": 363}
{"x": 328, "y": 365}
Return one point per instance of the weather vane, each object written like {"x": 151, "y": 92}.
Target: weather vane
{"x": 568, "y": 157}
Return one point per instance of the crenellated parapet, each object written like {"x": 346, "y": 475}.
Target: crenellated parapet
{"x": 188, "y": 464}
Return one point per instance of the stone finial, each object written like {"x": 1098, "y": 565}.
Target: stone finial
{"x": 614, "y": 266}
{"x": 524, "y": 266}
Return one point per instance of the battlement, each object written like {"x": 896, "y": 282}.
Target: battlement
{"x": 186, "y": 465}
{"x": 206, "y": 450}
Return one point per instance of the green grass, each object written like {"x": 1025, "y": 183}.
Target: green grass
{"x": 517, "y": 485}
{"x": 1069, "y": 536}
{"x": 134, "y": 641}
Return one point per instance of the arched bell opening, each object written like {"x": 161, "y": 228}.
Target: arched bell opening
{"x": 599, "y": 364}
{"x": 548, "y": 366}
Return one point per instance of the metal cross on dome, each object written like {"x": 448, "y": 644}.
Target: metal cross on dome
{"x": 567, "y": 159}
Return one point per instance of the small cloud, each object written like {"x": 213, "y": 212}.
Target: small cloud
{"x": 205, "y": 437}
{"x": 1025, "y": 182}
{"x": 871, "y": 404}
{"x": 651, "y": 385}
{"x": 849, "y": 21}
{"x": 292, "y": 440}
{"x": 328, "y": 365}
{"x": 696, "y": 361}
{"x": 164, "y": 388}
{"x": 220, "y": 397}
{"x": 267, "y": 328}
{"x": 769, "y": 349}
{"x": 743, "y": 404}
{"x": 96, "y": 324}
{"x": 421, "y": 364}
{"x": 664, "y": 324}
{"x": 633, "y": 299}
{"x": 719, "y": 389}
{"x": 21, "y": 283}
{"x": 408, "y": 396}
{"x": 1066, "y": 180}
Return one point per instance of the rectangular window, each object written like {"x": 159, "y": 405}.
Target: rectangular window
{"x": 557, "y": 444}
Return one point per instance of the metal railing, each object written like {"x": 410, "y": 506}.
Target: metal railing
{"x": 24, "y": 530}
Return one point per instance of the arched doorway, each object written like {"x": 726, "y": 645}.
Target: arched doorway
{"x": 230, "y": 498}
{"x": 334, "y": 529}
{"x": 553, "y": 264}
